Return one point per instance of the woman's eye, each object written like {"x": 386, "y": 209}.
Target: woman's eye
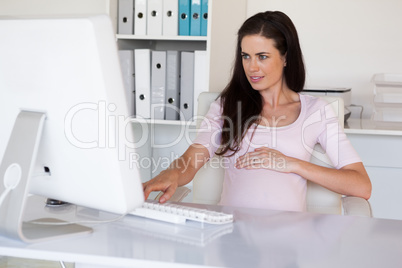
{"x": 263, "y": 57}
{"x": 245, "y": 56}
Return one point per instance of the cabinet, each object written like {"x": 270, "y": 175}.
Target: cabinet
{"x": 380, "y": 151}
{"x": 166, "y": 140}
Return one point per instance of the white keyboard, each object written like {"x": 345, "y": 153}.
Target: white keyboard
{"x": 180, "y": 214}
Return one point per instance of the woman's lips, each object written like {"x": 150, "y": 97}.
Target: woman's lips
{"x": 255, "y": 79}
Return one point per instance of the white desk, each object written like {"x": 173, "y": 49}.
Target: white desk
{"x": 258, "y": 238}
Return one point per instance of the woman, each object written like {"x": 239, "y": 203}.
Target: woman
{"x": 266, "y": 129}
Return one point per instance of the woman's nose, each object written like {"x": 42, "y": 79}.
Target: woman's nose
{"x": 253, "y": 67}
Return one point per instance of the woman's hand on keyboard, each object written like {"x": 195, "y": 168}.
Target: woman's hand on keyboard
{"x": 180, "y": 172}
{"x": 166, "y": 182}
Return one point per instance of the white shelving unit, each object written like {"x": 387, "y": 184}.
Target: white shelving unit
{"x": 164, "y": 38}
{"x": 168, "y": 139}
{"x": 163, "y": 122}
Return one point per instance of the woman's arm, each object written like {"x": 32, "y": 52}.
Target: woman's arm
{"x": 351, "y": 180}
{"x": 180, "y": 172}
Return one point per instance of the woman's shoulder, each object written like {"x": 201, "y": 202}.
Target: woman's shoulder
{"x": 313, "y": 102}
{"x": 326, "y": 106}
{"x": 215, "y": 107}
{"x": 217, "y": 104}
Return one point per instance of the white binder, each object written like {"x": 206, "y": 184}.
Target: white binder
{"x": 158, "y": 84}
{"x": 142, "y": 65}
{"x": 154, "y": 17}
{"x": 170, "y": 19}
{"x": 172, "y": 109}
{"x": 125, "y": 16}
{"x": 140, "y": 17}
{"x": 186, "y": 85}
{"x": 127, "y": 69}
{"x": 200, "y": 76}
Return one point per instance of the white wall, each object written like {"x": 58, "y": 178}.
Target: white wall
{"x": 222, "y": 39}
{"x": 30, "y": 7}
{"x": 345, "y": 41}
{"x": 58, "y": 7}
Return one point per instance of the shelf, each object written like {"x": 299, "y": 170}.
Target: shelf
{"x": 163, "y": 38}
{"x": 368, "y": 127}
{"x": 163, "y": 122}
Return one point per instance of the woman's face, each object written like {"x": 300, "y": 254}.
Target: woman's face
{"x": 262, "y": 62}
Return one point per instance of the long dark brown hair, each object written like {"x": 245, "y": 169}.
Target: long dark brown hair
{"x": 242, "y": 105}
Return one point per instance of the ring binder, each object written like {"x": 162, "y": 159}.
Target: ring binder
{"x": 195, "y": 20}
{"x": 142, "y": 66}
{"x": 126, "y": 16}
{"x": 170, "y": 18}
{"x": 172, "y": 111}
{"x": 184, "y": 20}
{"x": 140, "y": 19}
{"x": 186, "y": 85}
{"x": 204, "y": 18}
{"x": 154, "y": 17}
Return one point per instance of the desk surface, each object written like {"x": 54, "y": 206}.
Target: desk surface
{"x": 257, "y": 238}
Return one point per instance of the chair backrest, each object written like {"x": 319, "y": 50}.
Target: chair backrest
{"x": 207, "y": 183}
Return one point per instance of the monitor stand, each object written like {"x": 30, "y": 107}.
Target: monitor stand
{"x": 15, "y": 173}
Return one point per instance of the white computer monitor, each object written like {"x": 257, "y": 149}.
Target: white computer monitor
{"x": 68, "y": 70}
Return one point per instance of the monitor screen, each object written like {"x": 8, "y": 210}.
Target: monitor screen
{"x": 69, "y": 70}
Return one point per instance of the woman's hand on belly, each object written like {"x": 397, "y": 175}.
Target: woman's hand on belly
{"x": 265, "y": 158}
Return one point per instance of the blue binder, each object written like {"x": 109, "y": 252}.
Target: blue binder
{"x": 204, "y": 17}
{"x": 184, "y": 17}
{"x": 195, "y": 18}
